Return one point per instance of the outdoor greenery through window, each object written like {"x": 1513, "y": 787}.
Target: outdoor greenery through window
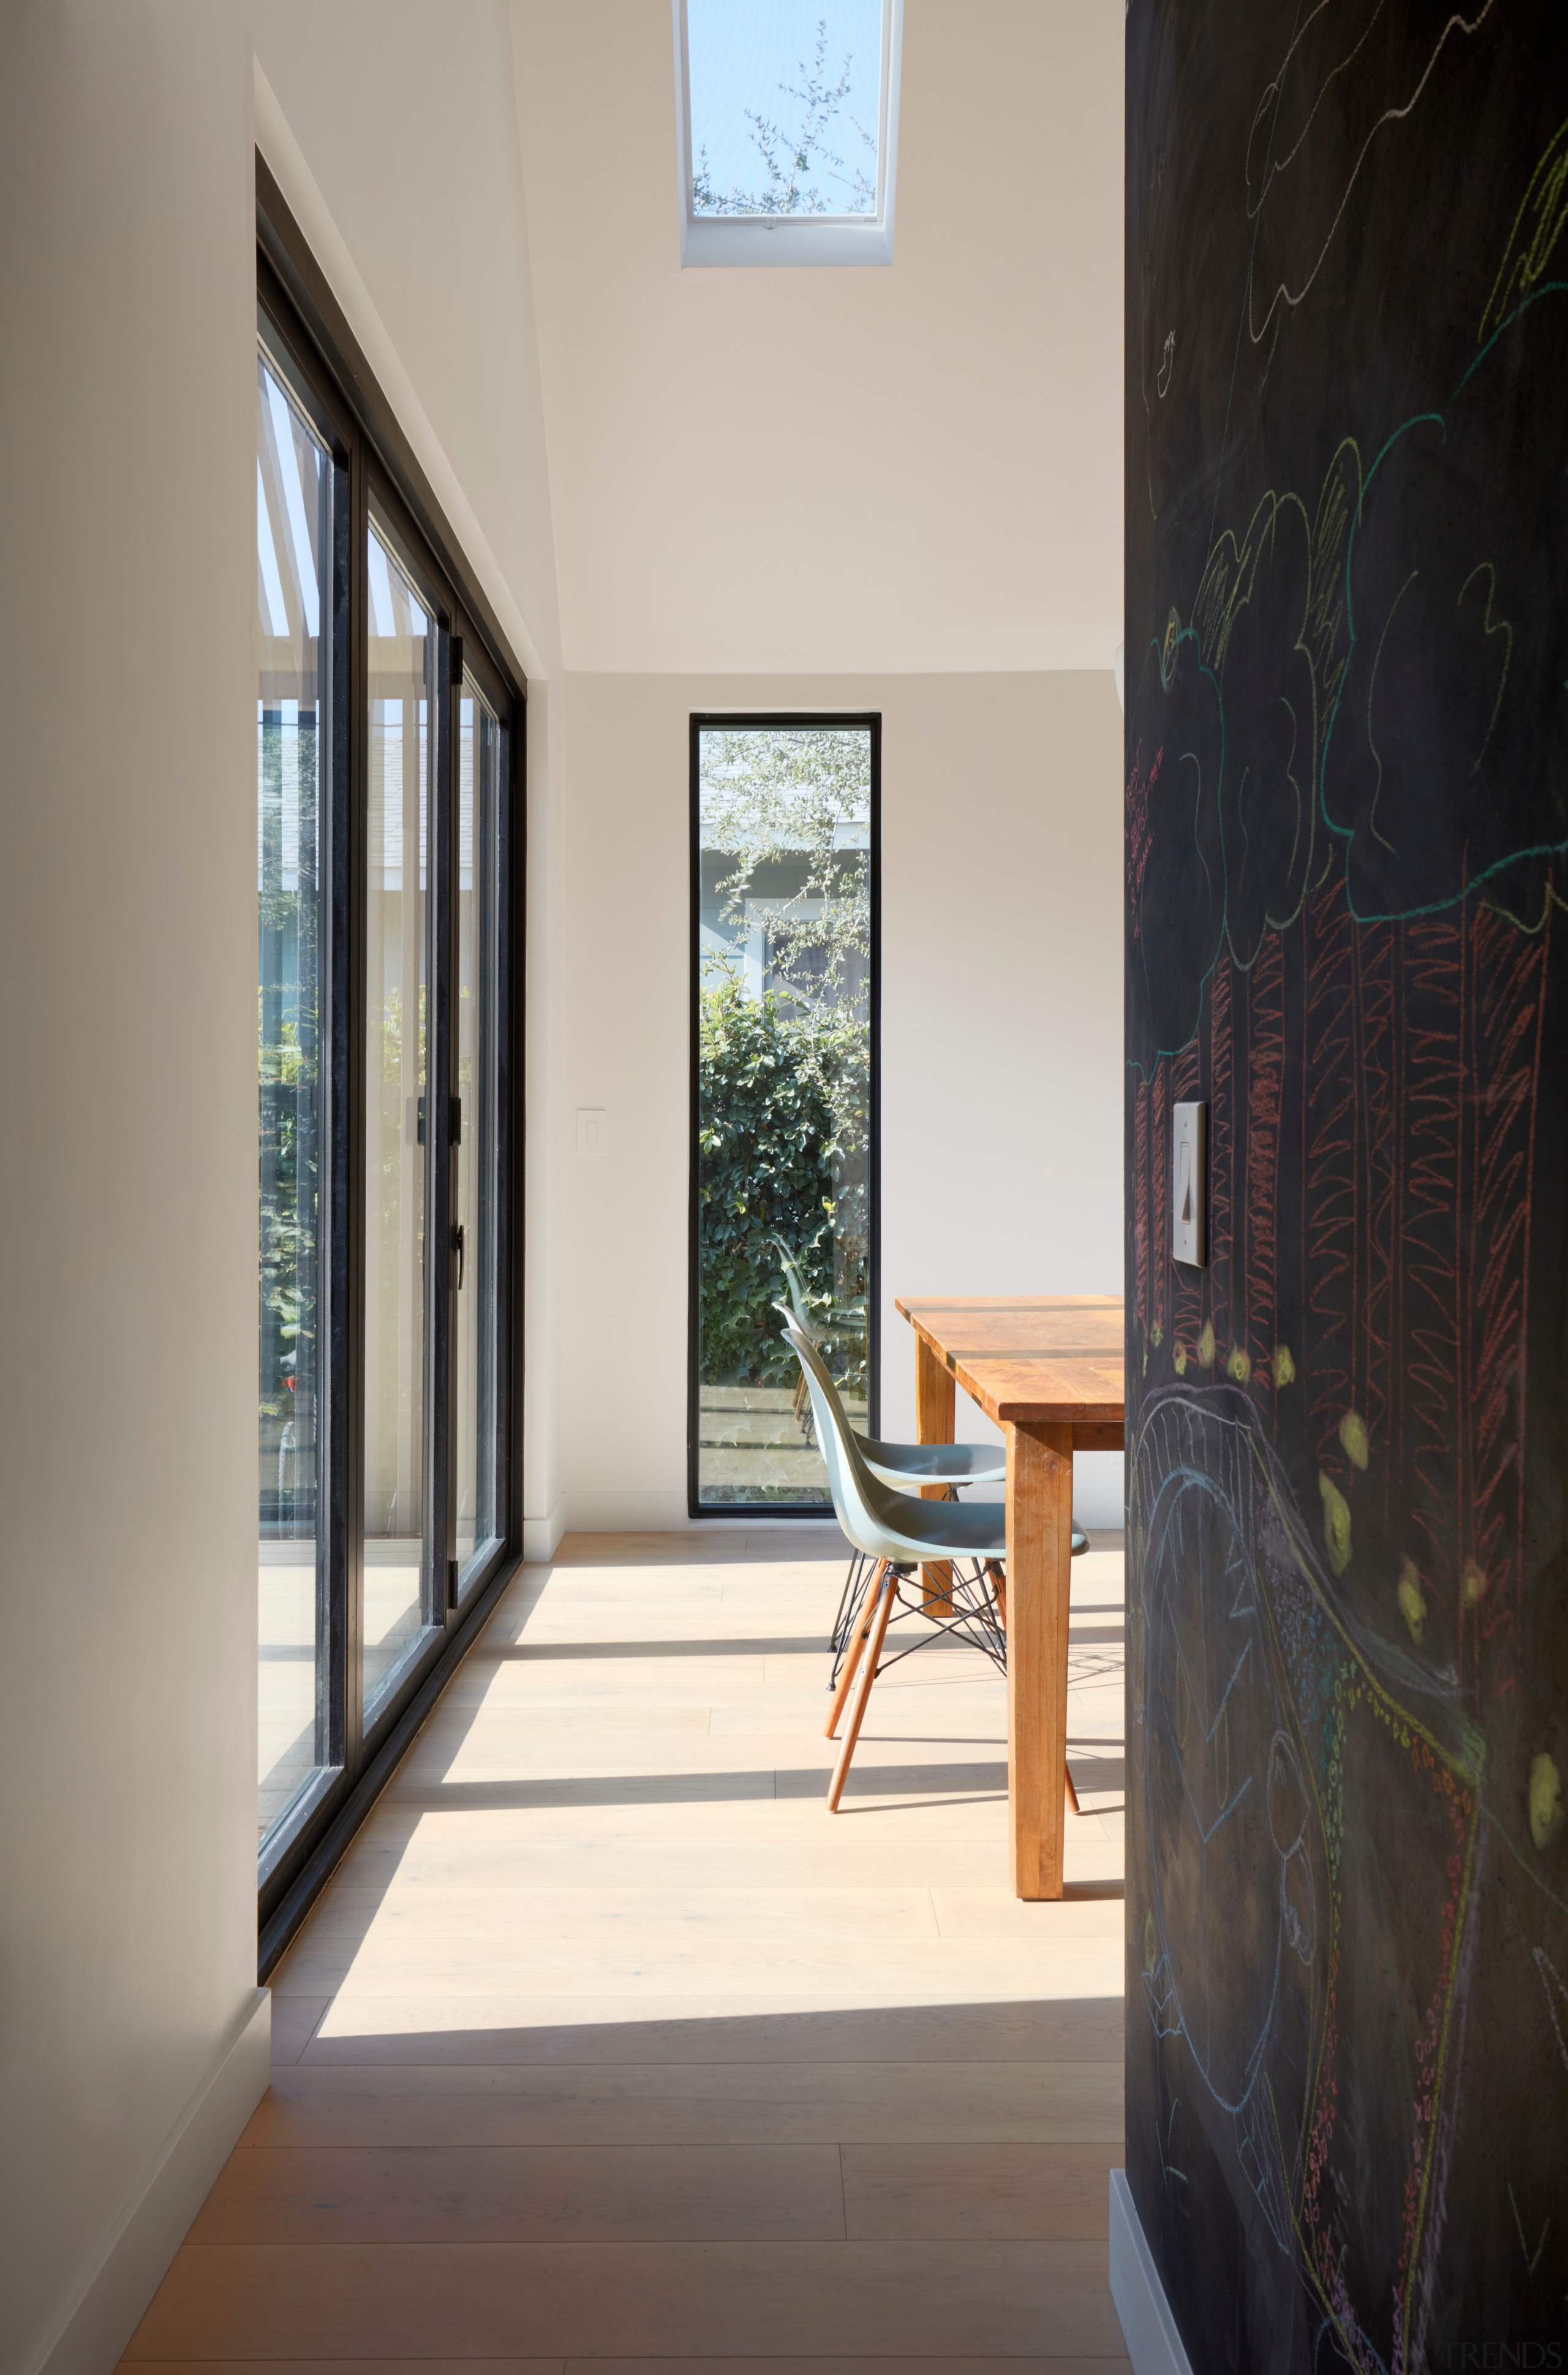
{"x": 293, "y": 649}
{"x": 786, "y": 100}
{"x": 784, "y": 1180}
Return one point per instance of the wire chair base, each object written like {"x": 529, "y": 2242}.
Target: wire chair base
{"x": 976, "y": 1618}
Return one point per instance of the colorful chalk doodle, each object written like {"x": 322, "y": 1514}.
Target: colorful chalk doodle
{"x": 1346, "y": 858}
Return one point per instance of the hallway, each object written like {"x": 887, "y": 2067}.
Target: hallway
{"x": 606, "y": 2043}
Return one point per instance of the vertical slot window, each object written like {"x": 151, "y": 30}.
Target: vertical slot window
{"x": 476, "y": 1088}
{"x": 785, "y": 819}
{"x": 403, "y": 724}
{"x": 294, "y": 493}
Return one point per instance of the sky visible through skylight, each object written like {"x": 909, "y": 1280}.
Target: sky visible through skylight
{"x": 754, "y": 64}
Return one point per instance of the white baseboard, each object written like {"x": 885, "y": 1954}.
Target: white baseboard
{"x": 1153, "y": 2345}
{"x": 541, "y": 1536}
{"x": 134, "y": 2257}
{"x": 593, "y": 1512}
{"x": 1098, "y": 1488}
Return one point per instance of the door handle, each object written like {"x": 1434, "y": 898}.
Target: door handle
{"x": 459, "y": 1247}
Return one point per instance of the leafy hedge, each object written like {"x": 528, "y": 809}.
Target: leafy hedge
{"x": 765, "y": 1146}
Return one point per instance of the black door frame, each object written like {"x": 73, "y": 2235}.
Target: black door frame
{"x": 370, "y": 454}
{"x": 795, "y": 721}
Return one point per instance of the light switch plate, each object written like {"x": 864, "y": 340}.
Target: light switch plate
{"x": 1189, "y": 1184}
{"x": 593, "y": 1130}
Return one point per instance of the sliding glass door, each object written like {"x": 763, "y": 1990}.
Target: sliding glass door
{"x": 294, "y": 510}
{"x": 478, "y": 1518}
{"x": 387, "y": 975}
{"x": 403, "y": 720}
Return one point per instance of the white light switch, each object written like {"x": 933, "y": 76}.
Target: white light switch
{"x": 593, "y": 1130}
{"x": 1189, "y": 1184}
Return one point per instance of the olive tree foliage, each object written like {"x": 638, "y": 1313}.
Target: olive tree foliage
{"x": 784, "y": 1132}
{"x": 797, "y": 164}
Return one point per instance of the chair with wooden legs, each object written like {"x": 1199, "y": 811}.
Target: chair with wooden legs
{"x": 896, "y": 1535}
{"x": 904, "y": 1466}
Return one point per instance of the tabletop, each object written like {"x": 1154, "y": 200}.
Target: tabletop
{"x": 1030, "y": 1359}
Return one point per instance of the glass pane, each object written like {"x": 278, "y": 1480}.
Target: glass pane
{"x": 783, "y": 1096}
{"x": 293, "y": 645}
{"x": 402, "y": 657}
{"x": 477, "y": 994}
{"x": 785, "y": 99}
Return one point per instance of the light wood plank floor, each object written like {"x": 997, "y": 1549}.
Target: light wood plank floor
{"x": 607, "y": 2043}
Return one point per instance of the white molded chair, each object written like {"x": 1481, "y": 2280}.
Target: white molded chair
{"x": 899, "y": 1534}
{"x": 902, "y": 1465}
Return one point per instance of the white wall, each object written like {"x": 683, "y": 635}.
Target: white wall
{"x": 127, "y": 954}
{"x": 399, "y": 156}
{"x": 1001, "y": 1034}
{"x": 764, "y": 482}
{"x": 127, "y": 1161}
{"x": 889, "y": 468}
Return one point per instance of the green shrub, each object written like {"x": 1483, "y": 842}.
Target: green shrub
{"x": 766, "y": 1156}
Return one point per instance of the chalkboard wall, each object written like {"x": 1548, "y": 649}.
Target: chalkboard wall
{"x": 1347, "y": 862}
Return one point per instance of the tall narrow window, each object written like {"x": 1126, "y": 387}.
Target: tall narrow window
{"x": 785, "y": 1162}
{"x": 477, "y": 1214}
{"x": 403, "y": 727}
{"x": 294, "y": 487}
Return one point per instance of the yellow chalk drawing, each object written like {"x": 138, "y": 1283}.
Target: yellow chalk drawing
{"x": 1336, "y": 1524}
{"x": 1157, "y": 1336}
{"x": 1150, "y": 1944}
{"x": 1411, "y": 1597}
{"x": 1284, "y": 1367}
{"x": 1546, "y": 1801}
{"x": 1238, "y": 1365}
{"x": 1490, "y": 626}
{"x": 1206, "y": 1345}
{"x": 1179, "y": 1360}
{"x": 1536, "y": 225}
{"x": 1353, "y": 1435}
{"x": 1472, "y": 1583}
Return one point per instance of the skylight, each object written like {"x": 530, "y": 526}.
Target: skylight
{"x": 788, "y": 123}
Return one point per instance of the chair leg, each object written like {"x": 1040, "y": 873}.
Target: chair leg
{"x": 848, "y": 1601}
{"x": 865, "y": 1617}
{"x": 887, "y": 1594}
{"x": 1072, "y": 1794}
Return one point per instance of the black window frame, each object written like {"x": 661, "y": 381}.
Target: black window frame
{"x": 764, "y": 721}
{"x": 371, "y": 458}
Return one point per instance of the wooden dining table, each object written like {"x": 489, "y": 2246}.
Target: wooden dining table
{"x": 1049, "y": 1371}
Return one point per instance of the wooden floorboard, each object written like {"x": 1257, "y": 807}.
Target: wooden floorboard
{"x": 607, "y": 2046}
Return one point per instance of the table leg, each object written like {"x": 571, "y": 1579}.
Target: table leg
{"x": 933, "y": 1423}
{"x": 1040, "y": 1518}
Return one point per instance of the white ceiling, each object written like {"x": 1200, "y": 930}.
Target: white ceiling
{"x": 837, "y": 468}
